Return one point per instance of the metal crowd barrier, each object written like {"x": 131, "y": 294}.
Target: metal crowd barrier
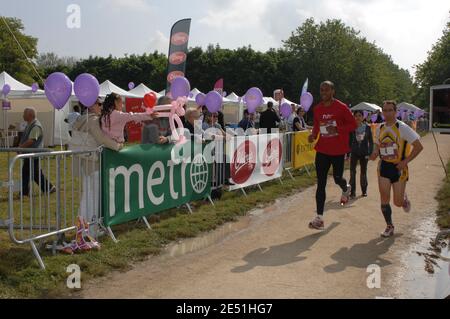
{"x": 288, "y": 152}
{"x": 62, "y": 186}
{"x": 219, "y": 166}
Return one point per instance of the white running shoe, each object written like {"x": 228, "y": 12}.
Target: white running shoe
{"x": 346, "y": 195}
{"x": 406, "y": 205}
{"x": 388, "y": 232}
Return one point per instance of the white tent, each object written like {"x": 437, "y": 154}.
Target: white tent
{"x": 408, "y": 106}
{"x": 233, "y": 97}
{"x": 108, "y": 87}
{"x": 18, "y": 89}
{"x": 364, "y": 106}
{"x": 194, "y": 93}
{"x": 142, "y": 90}
{"x": 21, "y": 97}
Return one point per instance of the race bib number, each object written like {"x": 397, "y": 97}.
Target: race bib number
{"x": 389, "y": 151}
{"x": 323, "y": 128}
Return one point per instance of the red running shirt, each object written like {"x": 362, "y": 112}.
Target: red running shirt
{"x": 339, "y": 116}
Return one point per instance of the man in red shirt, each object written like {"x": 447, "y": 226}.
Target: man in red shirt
{"x": 333, "y": 123}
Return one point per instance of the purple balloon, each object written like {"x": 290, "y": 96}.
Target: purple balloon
{"x": 131, "y": 85}
{"x": 365, "y": 114}
{"x": 224, "y": 94}
{"x": 306, "y": 101}
{"x": 200, "y": 99}
{"x": 374, "y": 118}
{"x": 213, "y": 101}
{"x": 285, "y": 110}
{"x": 180, "y": 87}
{"x": 6, "y": 89}
{"x": 253, "y": 98}
{"x": 86, "y": 89}
{"x": 58, "y": 89}
{"x": 34, "y": 87}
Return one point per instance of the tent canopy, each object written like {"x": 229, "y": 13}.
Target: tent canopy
{"x": 364, "y": 106}
{"x": 142, "y": 90}
{"x": 233, "y": 97}
{"x": 108, "y": 87}
{"x": 18, "y": 89}
{"x": 408, "y": 106}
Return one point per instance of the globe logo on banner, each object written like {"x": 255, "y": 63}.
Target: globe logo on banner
{"x": 244, "y": 162}
{"x": 272, "y": 157}
{"x": 199, "y": 174}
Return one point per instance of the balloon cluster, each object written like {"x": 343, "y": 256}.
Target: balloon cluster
{"x": 58, "y": 89}
{"x": 213, "y": 101}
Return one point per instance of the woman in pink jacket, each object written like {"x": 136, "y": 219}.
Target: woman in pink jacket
{"x": 113, "y": 120}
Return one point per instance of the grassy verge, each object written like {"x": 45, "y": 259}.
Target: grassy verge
{"x": 20, "y": 275}
{"x": 443, "y": 197}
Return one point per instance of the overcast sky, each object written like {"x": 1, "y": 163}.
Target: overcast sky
{"x": 404, "y": 29}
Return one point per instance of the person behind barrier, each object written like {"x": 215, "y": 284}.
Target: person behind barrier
{"x": 269, "y": 119}
{"x": 291, "y": 118}
{"x": 361, "y": 144}
{"x": 194, "y": 125}
{"x": 33, "y": 137}
{"x": 157, "y": 131}
{"x": 88, "y": 136}
{"x": 299, "y": 123}
{"x": 113, "y": 120}
{"x": 246, "y": 122}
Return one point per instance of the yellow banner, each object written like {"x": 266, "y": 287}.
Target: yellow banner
{"x": 304, "y": 153}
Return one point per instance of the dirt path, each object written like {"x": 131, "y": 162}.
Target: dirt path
{"x": 277, "y": 256}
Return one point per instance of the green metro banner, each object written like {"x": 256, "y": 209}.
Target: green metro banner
{"x": 142, "y": 180}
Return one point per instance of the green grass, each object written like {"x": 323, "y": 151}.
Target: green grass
{"x": 443, "y": 197}
{"x": 21, "y": 277}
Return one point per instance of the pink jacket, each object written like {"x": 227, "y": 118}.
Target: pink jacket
{"x": 118, "y": 122}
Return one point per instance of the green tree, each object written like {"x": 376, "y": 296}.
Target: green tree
{"x": 12, "y": 59}
{"x": 361, "y": 71}
{"x": 435, "y": 70}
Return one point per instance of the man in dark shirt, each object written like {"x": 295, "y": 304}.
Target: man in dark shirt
{"x": 246, "y": 122}
{"x": 269, "y": 118}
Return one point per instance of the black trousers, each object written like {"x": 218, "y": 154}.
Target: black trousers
{"x": 323, "y": 164}
{"x": 43, "y": 183}
{"x": 354, "y": 159}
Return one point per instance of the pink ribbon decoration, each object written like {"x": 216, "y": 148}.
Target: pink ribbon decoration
{"x": 172, "y": 111}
